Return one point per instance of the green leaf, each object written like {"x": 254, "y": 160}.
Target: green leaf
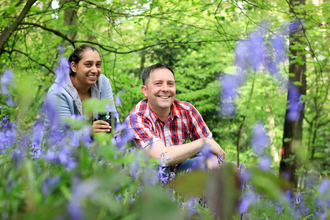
{"x": 268, "y": 183}
{"x": 95, "y": 105}
{"x": 155, "y": 203}
{"x": 190, "y": 184}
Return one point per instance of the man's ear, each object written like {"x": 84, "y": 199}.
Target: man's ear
{"x": 144, "y": 90}
{"x": 73, "y": 66}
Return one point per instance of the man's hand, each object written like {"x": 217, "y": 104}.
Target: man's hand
{"x": 215, "y": 147}
{"x": 100, "y": 126}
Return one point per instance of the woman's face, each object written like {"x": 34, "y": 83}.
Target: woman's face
{"x": 88, "y": 70}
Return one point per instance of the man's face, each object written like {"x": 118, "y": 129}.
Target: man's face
{"x": 160, "y": 90}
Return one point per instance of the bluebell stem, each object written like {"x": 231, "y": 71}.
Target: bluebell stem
{"x": 260, "y": 139}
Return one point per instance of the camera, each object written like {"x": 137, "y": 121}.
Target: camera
{"x": 105, "y": 117}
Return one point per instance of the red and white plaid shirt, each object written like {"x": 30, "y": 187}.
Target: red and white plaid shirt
{"x": 183, "y": 122}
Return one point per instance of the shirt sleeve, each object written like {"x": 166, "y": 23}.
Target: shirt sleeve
{"x": 198, "y": 127}
{"x": 143, "y": 133}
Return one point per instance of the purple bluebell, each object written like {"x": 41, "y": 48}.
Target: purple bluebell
{"x": 60, "y": 49}
{"x": 247, "y": 199}
{"x": 135, "y": 168}
{"x": 324, "y": 186}
{"x": 293, "y": 26}
{"x": 242, "y": 53}
{"x": 6, "y": 80}
{"x": 191, "y": 204}
{"x": 229, "y": 89}
{"x": 295, "y": 105}
{"x": 52, "y": 113}
{"x": 49, "y": 184}
{"x": 62, "y": 72}
{"x": 265, "y": 163}
{"x": 9, "y": 101}
{"x": 257, "y": 48}
{"x": 278, "y": 44}
{"x": 260, "y": 139}
{"x": 75, "y": 210}
{"x": 118, "y": 100}
{"x": 49, "y": 155}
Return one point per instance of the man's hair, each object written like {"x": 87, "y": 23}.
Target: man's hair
{"x": 146, "y": 72}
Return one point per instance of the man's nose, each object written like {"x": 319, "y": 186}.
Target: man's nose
{"x": 165, "y": 87}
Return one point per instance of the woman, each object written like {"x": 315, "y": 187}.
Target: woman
{"x": 85, "y": 81}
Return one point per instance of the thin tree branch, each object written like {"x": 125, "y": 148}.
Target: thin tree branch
{"x": 27, "y": 55}
{"x": 8, "y": 31}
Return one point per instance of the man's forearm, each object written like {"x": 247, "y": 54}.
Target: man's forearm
{"x": 177, "y": 153}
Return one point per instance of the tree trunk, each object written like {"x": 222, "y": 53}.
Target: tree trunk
{"x": 292, "y": 137}
{"x": 70, "y": 18}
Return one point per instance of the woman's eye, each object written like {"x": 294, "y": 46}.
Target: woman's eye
{"x": 98, "y": 65}
{"x": 88, "y": 64}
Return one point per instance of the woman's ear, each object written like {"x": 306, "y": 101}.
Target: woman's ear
{"x": 73, "y": 66}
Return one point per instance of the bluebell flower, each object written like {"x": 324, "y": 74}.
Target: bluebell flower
{"x": 295, "y": 105}
{"x": 60, "y": 49}
{"x": 258, "y": 49}
{"x": 191, "y": 204}
{"x": 247, "y": 199}
{"x": 242, "y": 53}
{"x": 49, "y": 184}
{"x": 118, "y": 100}
{"x": 52, "y": 113}
{"x": 75, "y": 210}
{"x": 324, "y": 186}
{"x": 229, "y": 87}
{"x": 260, "y": 139}
{"x": 6, "y": 80}
{"x": 278, "y": 44}
{"x": 9, "y": 101}
{"x": 62, "y": 72}
{"x": 293, "y": 26}
{"x": 265, "y": 163}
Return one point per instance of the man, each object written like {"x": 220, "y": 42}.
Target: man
{"x": 162, "y": 124}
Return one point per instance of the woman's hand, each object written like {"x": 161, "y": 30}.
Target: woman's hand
{"x": 100, "y": 126}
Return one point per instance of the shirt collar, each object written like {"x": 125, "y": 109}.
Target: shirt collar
{"x": 174, "y": 113}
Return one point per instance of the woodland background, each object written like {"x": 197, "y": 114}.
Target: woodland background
{"x": 198, "y": 38}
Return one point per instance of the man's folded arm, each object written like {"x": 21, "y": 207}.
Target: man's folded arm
{"x": 178, "y": 153}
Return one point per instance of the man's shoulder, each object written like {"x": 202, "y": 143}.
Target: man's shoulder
{"x": 182, "y": 105}
{"x": 140, "y": 108}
